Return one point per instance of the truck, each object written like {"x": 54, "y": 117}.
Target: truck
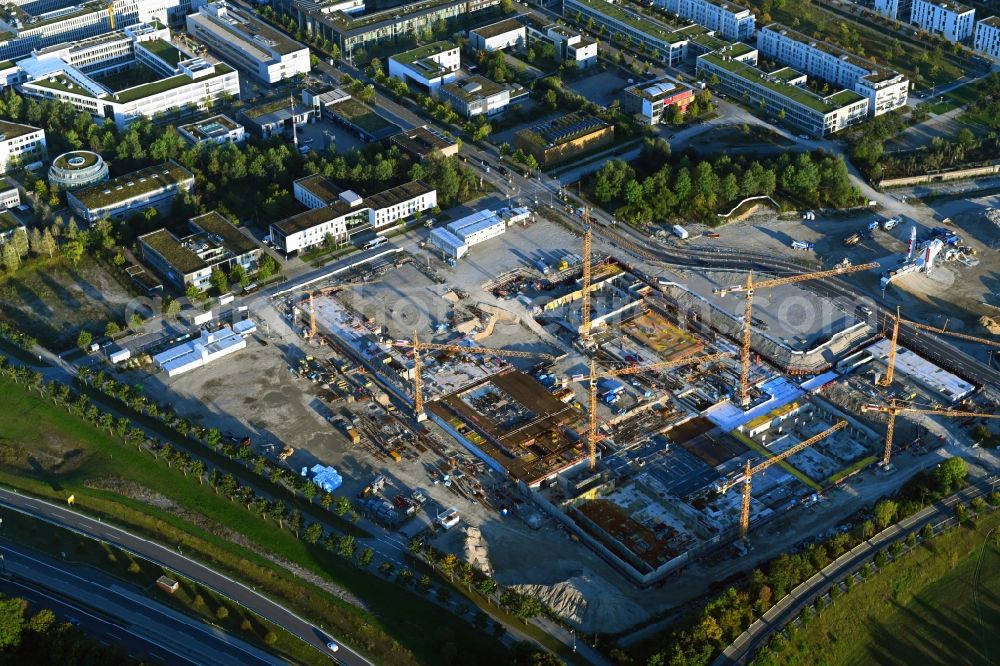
{"x": 352, "y": 434}
{"x": 801, "y": 245}
{"x": 542, "y": 267}
{"x": 680, "y": 231}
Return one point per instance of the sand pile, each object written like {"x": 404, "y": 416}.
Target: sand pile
{"x": 587, "y": 602}
{"x": 990, "y": 324}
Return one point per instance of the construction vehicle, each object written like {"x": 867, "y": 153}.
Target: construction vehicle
{"x": 748, "y": 289}
{"x": 286, "y": 452}
{"x": 853, "y": 239}
{"x": 802, "y": 245}
{"x": 894, "y": 340}
{"x": 594, "y": 376}
{"x": 418, "y": 347}
{"x": 373, "y": 488}
{"x": 761, "y": 466}
{"x": 894, "y": 409}
{"x": 395, "y": 455}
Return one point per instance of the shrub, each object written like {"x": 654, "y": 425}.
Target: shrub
{"x": 221, "y": 612}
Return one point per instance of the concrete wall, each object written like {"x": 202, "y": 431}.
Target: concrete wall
{"x": 941, "y": 176}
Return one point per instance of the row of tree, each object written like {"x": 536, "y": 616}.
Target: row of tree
{"x": 658, "y": 186}
{"x": 698, "y": 638}
{"x": 36, "y": 636}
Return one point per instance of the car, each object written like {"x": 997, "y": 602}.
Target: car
{"x": 865, "y": 310}
{"x": 502, "y": 170}
{"x": 332, "y": 647}
{"x": 803, "y": 136}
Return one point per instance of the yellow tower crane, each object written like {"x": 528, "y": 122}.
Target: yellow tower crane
{"x": 894, "y": 409}
{"x": 891, "y": 364}
{"x": 749, "y": 289}
{"x": 761, "y": 466}
{"x": 418, "y": 347}
{"x": 618, "y": 372}
{"x": 312, "y": 317}
{"x": 585, "y": 294}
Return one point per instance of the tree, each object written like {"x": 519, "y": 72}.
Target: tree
{"x": 346, "y": 545}
{"x": 73, "y": 250}
{"x": 951, "y": 473}
{"x": 267, "y": 267}
{"x": 219, "y": 281}
{"x": 8, "y": 253}
{"x": 193, "y": 293}
{"x": 84, "y": 339}
{"x": 341, "y": 506}
{"x": 313, "y": 533}
{"x": 885, "y": 513}
{"x": 112, "y": 329}
{"x": 135, "y": 321}
{"x": 48, "y": 245}
{"x": 366, "y": 557}
{"x": 171, "y": 307}
{"x": 221, "y": 613}
{"x": 12, "y": 622}
{"x": 20, "y": 242}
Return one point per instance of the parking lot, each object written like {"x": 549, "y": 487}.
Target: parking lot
{"x": 601, "y": 87}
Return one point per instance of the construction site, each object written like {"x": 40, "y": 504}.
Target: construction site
{"x": 583, "y": 424}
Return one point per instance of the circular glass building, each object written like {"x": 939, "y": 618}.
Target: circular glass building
{"x": 71, "y": 171}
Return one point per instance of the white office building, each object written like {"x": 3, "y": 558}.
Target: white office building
{"x": 885, "y": 88}
{"x": 82, "y": 74}
{"x": 456, "y": 238}
{"x": 10, "y": 195}
{"x": 20, "y": 144}
{"x": 429, "y": 66}
{"x": 573, "y": 46}
{"x": 475, "y": 96}
{"x": 988, "y": 37}
{"x": 249, "y": 44}
{"x": 952, "y": 20}
{"x": 509, "y": 33}
{"x": 208, "y": 347}
{"x": 24, "y": 32}
{"x": 730, "y": 20}
{"x": 341, "y": 214}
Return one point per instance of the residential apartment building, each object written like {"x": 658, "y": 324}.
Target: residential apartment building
{"x": 214, "y": 243}
{"x": 352, "y": 31}
{"x": 152, "y": 187}
{"x": 475, "y": 96}
{"x": 509, "y": 33}
{"x": 24, "y": 32}
{"x": 898, "y": 10}
{"x": 20, "y": 145}
{"x": 730, "y": 20}
{"x": 668, "y": 43}
{"x": 781, "y": 93}
{"x": 341, "y": 214}
{"x": 952, "y": 20}
{"x": 651, "y": 101}
{"x": 249, "y": 44}
{"x": 70, "y": 72}
{"x": 886, "y": 89}
{"x": 429, "y": 66}
{"x": 988, "y": 37}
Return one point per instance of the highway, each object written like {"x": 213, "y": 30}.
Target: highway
{"x": 789, "y": 607}
{"x": 189, "y": 568}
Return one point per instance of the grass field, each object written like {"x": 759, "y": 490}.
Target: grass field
{"x": 938, "y": 605}
{"x": 48, "y": 452}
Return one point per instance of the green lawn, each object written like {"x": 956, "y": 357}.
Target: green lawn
{"x": 934, "y": 606}
{"x": 47, "y": 452}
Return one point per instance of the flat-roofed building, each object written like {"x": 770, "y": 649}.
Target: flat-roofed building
{"x": 214, "y": 243}
{"x": 564, "y": 137}
{"x": 152, "y": 187}
{"x": 76, "y": 169}
{"x": 20, "y": 144}
{"x": 340, "y": 214}
{"x": 650, "y": 101}
{"x": 885, "y": 88}
{"x": 423, "y": 142}
{"x": 457, "y": 237}
{"x": 429, "y": 66}
{"x": 9, "y": 225}
{"x": 988, "y": 37}
{"x": 217, "y": 129}
{"x": 276, "y": 117}
{"x": 782, "y": 92}
{"x": 667, "y": 42}
{"x": 731, "y": 20}
{"x": 952, "y": 20}
{"x": 898, "y": 10}
{"x": 10, "y": 195}
{"x": 509, "y": 33}
{"x": 84, "y": 74}
{"x": 248, "y": 43}
{"x": 573, "y": 45}
{"x": 351, "y": 31}
{"x": 475, "y": 96}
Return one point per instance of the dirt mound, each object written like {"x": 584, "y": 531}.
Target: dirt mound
{"x": 990, "y": 324}
{"x": 584, "y": 600}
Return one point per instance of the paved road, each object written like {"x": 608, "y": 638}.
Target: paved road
{"x": 113, "y": 613}
{"x": 175, "y": 561}
{"x": 788, "y": 608}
